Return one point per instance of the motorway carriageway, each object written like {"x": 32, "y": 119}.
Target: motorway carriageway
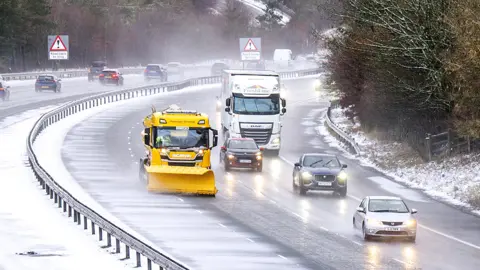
{"x": 257, "y": 221}
{"x": 23, "y": 96}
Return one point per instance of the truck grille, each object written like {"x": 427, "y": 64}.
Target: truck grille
{"x": 183, "y": 164}
{"x": 325, "y": 178}
{"x": 261, "y": 136}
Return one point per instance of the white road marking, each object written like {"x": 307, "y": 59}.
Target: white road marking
{"x": 222, "y": 225}
{"x": 357, "y": 243}
{"x": 283, "y": 257}
{"x": 250, "y": 240}
{"x": 180, "y": 199}
{"x": 325, "y": 229}
{"x": 419, "y": 225}
{"x": 402, "y": 262}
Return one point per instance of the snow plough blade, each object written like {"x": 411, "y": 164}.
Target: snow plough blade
{"x": 179, "y": 179}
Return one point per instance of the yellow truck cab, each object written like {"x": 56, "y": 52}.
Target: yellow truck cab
{"x": 179, "y": 144}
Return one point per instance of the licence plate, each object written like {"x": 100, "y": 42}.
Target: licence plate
{"x": 44, "y": 86}
{"x": 392, "y": 229}
{"x": 245, "y": 161}
{"x": 108, "y": 77}
{"x": 325, "y": 184}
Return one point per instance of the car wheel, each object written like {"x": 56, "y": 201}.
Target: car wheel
{"x": 366, "y": 237}
{"x": 259, "y": 169}
{"x": 343, "y": 191}
{"x": 227, "y": 167}
{"x": 412, "y": 239}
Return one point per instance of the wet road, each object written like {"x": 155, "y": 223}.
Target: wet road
{"x": 257, "y": 221}
{"x": 23, "y": 96}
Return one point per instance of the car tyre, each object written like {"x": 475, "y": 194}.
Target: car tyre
{"x": 342, "y": 191}
{"x": 412, "y": 239}
{"x": 227, "y": 167}
{"x": 259, "y": 169}
{"x": 366, "y": 237}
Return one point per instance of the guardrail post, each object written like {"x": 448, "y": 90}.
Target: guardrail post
{"x": 75, "y": 216}
{"x": 109, "y": 239}
{"x": 85, "y": 223}
{"x": 64, "y": 206}
{"x": 428, "y": 145}
{"x": 69, "y": 211}
{"x": 79, "y": 218}
{"x": 93, "y": 227}
{"x": 100, "y": 234}
{"x": 117, "y": 245}
{"x": 59, "y": 202}
{"x": 149, "y": 264}
{"x": 139, "y": 260}
{"x": 55, "y": 199}
{"x": 127, "y": 252}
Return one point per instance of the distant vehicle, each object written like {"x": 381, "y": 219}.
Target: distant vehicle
{"x": 48, "y": 82}
{"x": 4, "y": 91}
{"x": 282, "y": 58}
{"x": 218, "y": 68}
{"x": 155, "y": 71}
{"x": 111, "y": 76}
{"x": 175, "y": 68}
{"x": 95, "y": 70}
{"x": 384, "y": 216}
{"x": 319, "y": 172}
{"x": 241, "y": 153}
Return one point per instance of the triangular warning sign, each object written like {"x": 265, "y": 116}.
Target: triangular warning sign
{"x": 250, "y": 46}
{"x": 58, "y": 45}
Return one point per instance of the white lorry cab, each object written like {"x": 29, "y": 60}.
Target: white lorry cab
{"x": 253, "y": 106}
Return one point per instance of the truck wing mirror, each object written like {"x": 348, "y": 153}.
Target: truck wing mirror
{"x": 213, "y": 138}
{"x": 284, "y": 102}
{"x": 227, "y": 110}
{"x": 227, "y": 102}
{"x": 146, "y": 137}
{"x": 284, "y": 110}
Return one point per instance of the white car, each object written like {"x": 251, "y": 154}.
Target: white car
{"x": 383, "y": 216}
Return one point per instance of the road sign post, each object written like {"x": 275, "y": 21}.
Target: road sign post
{"x": 58, "y": 47}
{"x": 251, "y": 49}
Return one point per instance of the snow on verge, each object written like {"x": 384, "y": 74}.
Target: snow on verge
{"x": 48, "y": 147}
{"x": 454, "y": 180}
{"x": 28, "y": 220}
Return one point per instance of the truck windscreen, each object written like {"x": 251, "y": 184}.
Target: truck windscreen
{"x": 256, "y": 105}
{"x": 182, "y": 138}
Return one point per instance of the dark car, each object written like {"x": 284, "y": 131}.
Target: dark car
{"x": 111, "y": 76}
{"x": 95, "y": 70}
{"x": 320, "y": 172}
{"x": 218, "y": 68}
{"x": 155, "y": 71}
{"x": 48, "y": 82}
{"x": 241, "y": 153}
{"x": 4, "y": 91}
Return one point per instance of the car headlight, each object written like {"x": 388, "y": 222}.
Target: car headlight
{"x": 342, "y": 176}
{"x": 230, "y": 156}
{"x": 307, "y": 176}
{"x": 317, "y": 83}
{"x": 374, "y": 222}
{"x": 259, "y": 155}
{"x": 219, "y": 103}
{"x": 411, "y": 223}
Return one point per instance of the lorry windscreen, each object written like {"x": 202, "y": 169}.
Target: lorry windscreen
{"x": 182, "y": 138}
{"x": 256, "y": 105}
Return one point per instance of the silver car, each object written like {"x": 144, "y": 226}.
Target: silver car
{"x": 383, "y": 216}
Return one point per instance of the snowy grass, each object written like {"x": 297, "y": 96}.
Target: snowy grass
{"x": 29, "y": 222}
{"x": 454, "y": 180}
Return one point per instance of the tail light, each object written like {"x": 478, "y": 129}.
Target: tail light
{"x": 101, "y": 75}
{"x": 145, "y": 71}
{"x": 115, "y": 76}
{"x": 2, "y": 89}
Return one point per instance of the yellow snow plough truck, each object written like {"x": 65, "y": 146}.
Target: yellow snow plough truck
{"x": 179, "y": 144}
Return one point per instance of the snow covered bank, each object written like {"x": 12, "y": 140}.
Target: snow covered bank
{"x": 29, "y": 222}
{"x": 454, "y": 180}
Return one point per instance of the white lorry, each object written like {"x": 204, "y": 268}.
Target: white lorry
{"x": 253, "y": 106}
{"x": 282, "y": 58}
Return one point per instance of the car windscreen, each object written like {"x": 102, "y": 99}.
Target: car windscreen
{"x": 386, "y": 205}
{"x": 45, "y": 78}
{"x": 181, "y": 138}
{"x": 318, "y": 161}
{"x": 256, "y": 105}
{"x": 156, "y": 68}
{"x": 242, "y": 144}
